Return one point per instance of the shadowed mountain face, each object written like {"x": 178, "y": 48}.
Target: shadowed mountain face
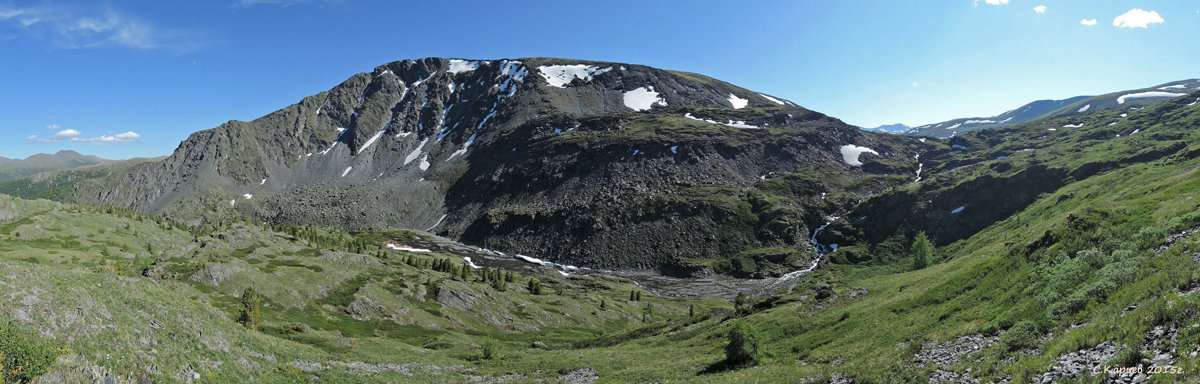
{"x": 11, "y": 169}
{"x": 599, "y": 164}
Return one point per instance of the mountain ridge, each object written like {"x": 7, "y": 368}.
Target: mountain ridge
{"x": 11, "y": 169}
{"x": 1050, "y": 108}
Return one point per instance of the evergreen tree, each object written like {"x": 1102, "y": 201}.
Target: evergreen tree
{"x": 250, "y": 315}
{"x": 603, "y": 304}
{"x": 743, "y": 345}
{"x": 632, "y": 295}
{"x": 921, "y": 250}
{"x": 535, "y": 286}
{"x": 691, "y": 310}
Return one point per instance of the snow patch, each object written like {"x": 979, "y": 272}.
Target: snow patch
{"x": 463, "y": 151}
{"x": 264, "y": 181}
{"x": 740, "y": 124}
{"x": 469, "y": 263}
{"x": 1144, "y": 95}
{"x": 424, "y": 163}
{"x": 247, "y": 196}
{"x": 731, "y": 123}
{"x": 407, "y": 249}
{"x": 561, "y": 75}
{"x": 968, "y": 122}
{"x": 956, "y": 146}
{"x": 1085, "y": 108}
{"x": 737, "y": 102}
{"x": 1080, "y": 125}
{"x": 370, "y": 141}
{"x": 562, "y": 269}
{"x": 458, "y": 66}
{"x": 674, "y": 149}
{"x": 959, "y": 209}
{"x": 850, "y": 153}
{"x": 1176, "y": 86}
{"x": 643, "y": 98}
{"x": 955, "y": 126}
{"x": 416, "y": 152}
{"x": 347, "y": 171}
{"x": 772, "y": 99}
{"x": 439, "y": 222}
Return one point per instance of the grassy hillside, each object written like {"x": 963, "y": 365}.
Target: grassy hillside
{"x": 1099, "y": 268}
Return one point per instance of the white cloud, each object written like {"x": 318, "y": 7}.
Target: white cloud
{"x": 1088, "y": 22}
{"x": 1137, "y": 18}
{"x": 993, "y": 2}
{"x": 1040, "y": 9}
{"x": 74, "y": 136}
{"x": 53, "y": 127}
{"x": 66, "y": 134}
{"x": 74, "y": 28}
{"x": 128, "y": 136}
{"x": 916, "y": 84}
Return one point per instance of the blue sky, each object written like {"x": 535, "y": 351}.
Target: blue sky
{"x": 130, "y": 79}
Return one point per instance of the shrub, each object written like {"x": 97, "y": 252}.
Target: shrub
{"x": 1024, "y": 334}
{"x": 489, "y": 350}
{"x": 24, "y": 355}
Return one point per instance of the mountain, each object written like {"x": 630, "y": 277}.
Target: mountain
{"x": 62, "y": 184}
{"x": 11, "y": 169}
{"x": 1027, "y": 112}
{"x": 1135, "y": 98}
{"x": 890, "y": 128}
{"x": 605, "y": 165}
{"x": 1057, "y": 247}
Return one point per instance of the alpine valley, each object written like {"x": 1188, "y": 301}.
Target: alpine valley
{"x": 553, "y": 220}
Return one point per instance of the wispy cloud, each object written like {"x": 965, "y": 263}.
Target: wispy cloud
{"x": 993, "y": 2}
{"x": 1088, "y": 22}
{"x": 75, "y": 28}
{"x": 285, "y": 3}
{"x": 74, "y": 136}
{"x": 1040, "y": 9}
{"x": 1137, "y": 18}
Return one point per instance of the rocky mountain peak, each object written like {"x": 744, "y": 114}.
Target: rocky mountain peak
{"x": 555, "y": 157}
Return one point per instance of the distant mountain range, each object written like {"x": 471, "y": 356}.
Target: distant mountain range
{"x": 11, "y": 169}
{"x": 890, "y": 128}
{"x": 1136, "y": 98}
